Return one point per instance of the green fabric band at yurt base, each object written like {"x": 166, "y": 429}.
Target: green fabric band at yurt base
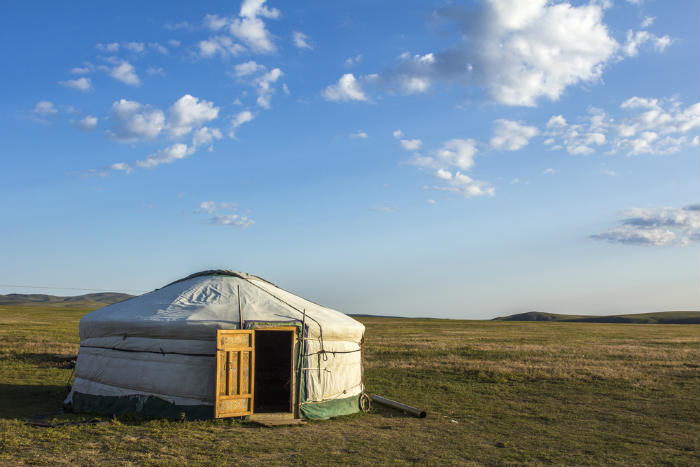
{"x": 332, "y": 408}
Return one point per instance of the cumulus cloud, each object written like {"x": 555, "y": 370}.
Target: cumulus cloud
{"x": 398, "y": 134}
{"x": 265, "y": 87}
{"x": 135, "y": 122}
{"x": 125, "y": 73}
{"x": 637, "y": 39}
{"x": 233, "y": 220}
{"x": 219, "y": 45}
{"x": 549, "y": 171}
{"x": 111, "y": 48}
{"x": 467, "y": 186}
{"x": 242, "y": 117}
{"x": 359, "y": 134}
{"x": 247, "y": 68}
{"x": 511, "y": 135}
{"x": 136, "y": 47}
{"x": 189, "y": 112}
{"x": 458, "y": 153}
{"x": 45, "y": 109}
{"x": 655, "y": 227}
{"x": 167, "y": 155}
{"x": 207, "y": 206}
{"x": 250, "y": 28}
{"x": 411, "y": 144}
{"x": 518, "y": 51}
{"x": 81, "y": 84}
{"x": 88, "y": 123}
{"x": 204, "y": 136}
{"x": 643, "y": 126}
{"x": 346, "y": 89}
{"x": 351, "y": 61}
{"x": 301, "y": 40}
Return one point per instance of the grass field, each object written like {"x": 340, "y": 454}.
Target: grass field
{"x": 496, "y": 392}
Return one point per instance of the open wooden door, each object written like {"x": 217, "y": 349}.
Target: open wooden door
{"x": 235, "y": 373}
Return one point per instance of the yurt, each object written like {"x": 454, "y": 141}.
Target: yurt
{"x": 218, "y": 344}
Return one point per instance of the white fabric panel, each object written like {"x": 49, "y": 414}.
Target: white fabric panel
{"x": 172, "y": 375}
{"x": 340, "y": 374}
{"x": 182, "y": 346}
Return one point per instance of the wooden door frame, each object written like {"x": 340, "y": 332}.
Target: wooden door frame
{"x": 293, "y": 330}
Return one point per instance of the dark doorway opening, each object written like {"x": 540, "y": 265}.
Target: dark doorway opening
{"x": 273, "y": 371}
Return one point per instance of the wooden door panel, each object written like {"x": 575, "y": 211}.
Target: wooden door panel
{"x": 235, "y": 370}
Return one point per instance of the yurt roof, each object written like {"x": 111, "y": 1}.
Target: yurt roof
{"x": 195, "y": 306}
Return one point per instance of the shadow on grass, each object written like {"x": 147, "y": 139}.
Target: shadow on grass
{"x": 44, "y": 360}
{"x": 30, "y": 400}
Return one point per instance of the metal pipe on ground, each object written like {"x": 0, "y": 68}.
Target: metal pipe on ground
{"x": 399, "y": 406}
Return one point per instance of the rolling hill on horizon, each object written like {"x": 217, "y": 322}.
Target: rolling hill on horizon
{"x": 661, "y": 317}
{"x": 91, "y": 299}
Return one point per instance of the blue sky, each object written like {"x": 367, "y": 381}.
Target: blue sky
{"x": 445, "y": 159}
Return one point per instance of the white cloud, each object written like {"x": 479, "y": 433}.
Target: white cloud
{"x": 81, "y": 84}
{"x": 80, "y": 70}
{"x": 411, "y": 144}
{"x": 205, "y": 135}
{"x": 247, "y": 68}
{"x": 174, "y": 43}
{"x": 645, "y": 126}
{"x": 443, "y": 174}
{"x": 301, "y": 40}
{"x": 549, "y": 171}
{"x": 359, "y": 134}
{"x": 557, "y": 121}
{"x": 346, "y": 89}
{"x": 242, "y": 117}
{"x": 208, "y": 206}
{"x": 189, "y": 112}
{"x": 215, "y": 22}
{"x": 351, "y": 61}
{"x": 45, "y": 109}
{"x": 166, "y": 156}
{"x": 122, "y": 167}
{"x": 467, "y": 186}
{"x": 458, "y": 153}
{"x": 398, "y": 134}
{"x": 519, "y": 52}
{"x": 221, "y": 45}
{"x": 265, "y": 89}
{"x": 234, "y": 220}
{"x": 636, "y": 39}
{"x": 647, "y": 21}
{"x": 134, "y": 122}
{"x": 250, "y": 28}
{"x": 431, "y": 201}
{"x": 609, "y": 172}
{"x": 88, "y": 123}
{"x": 125, "y": 73}
{"x": 655, "y": 227}
{"x": 136, "y": 47}
{"x": 161, "y": 49}
{"x": 511, "y": 135}
{"x": 111, "y": 48}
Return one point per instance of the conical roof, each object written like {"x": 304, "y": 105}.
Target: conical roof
{"x": 196, "y": 306}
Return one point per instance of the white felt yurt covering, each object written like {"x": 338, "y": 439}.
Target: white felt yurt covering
{"x": 156, "y": 353}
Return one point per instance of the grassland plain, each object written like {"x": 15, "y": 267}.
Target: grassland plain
{"x": 496, "y": 392}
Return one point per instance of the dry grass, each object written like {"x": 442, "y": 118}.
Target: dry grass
{"x": 497, "y": 393}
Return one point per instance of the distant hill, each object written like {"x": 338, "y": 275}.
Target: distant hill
{"x": 661, "y": 317}
{"x": 91, "y": 299}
